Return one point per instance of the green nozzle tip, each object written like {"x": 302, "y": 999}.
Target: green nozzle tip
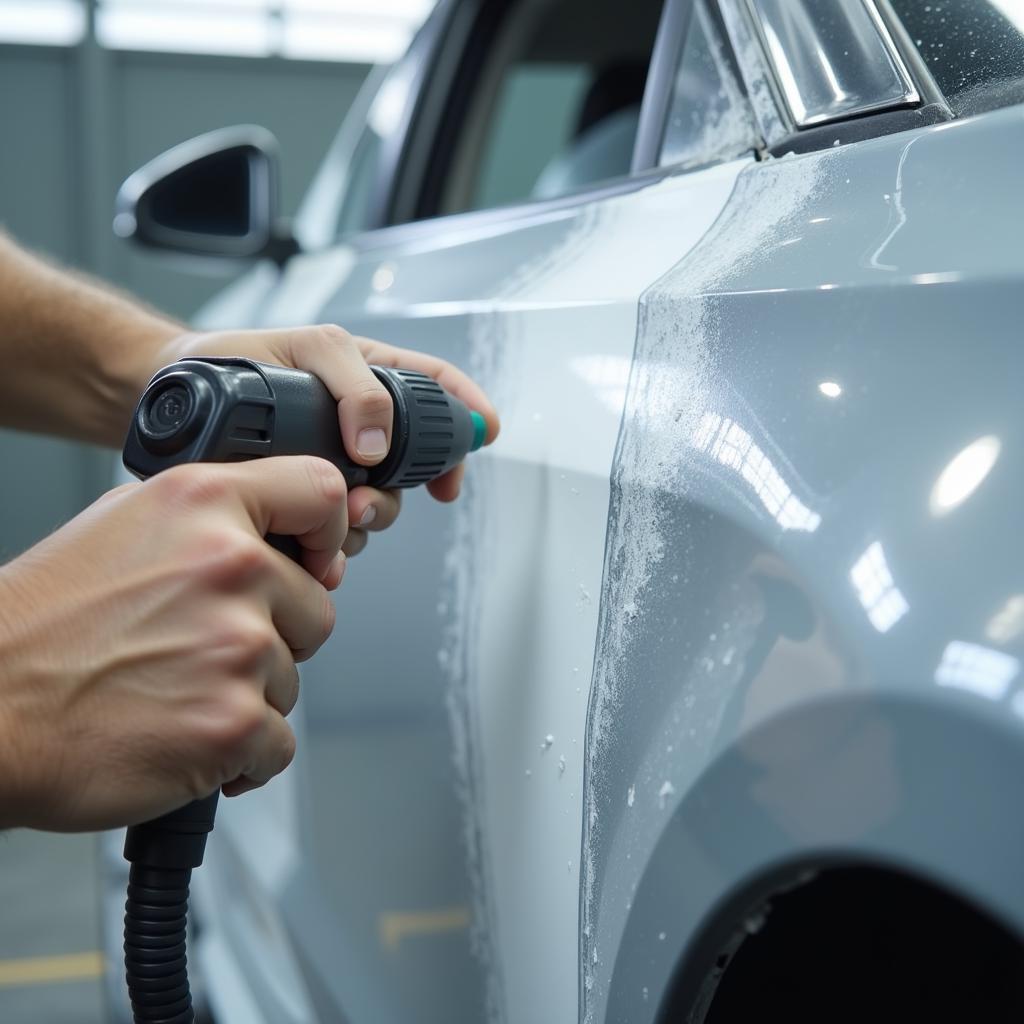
{"x": 479, "y": 430}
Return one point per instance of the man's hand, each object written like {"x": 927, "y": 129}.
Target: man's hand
{"x": 148, "y": 648}
{"x": 341, "y": 361}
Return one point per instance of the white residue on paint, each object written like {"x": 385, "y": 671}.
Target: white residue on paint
{"x": 755, "y": 73}
{"x": 662, "y": 936}
{"x": 672, "y": 384}
{"x": 667, "y": 790}
{"x": 722, "y": 127}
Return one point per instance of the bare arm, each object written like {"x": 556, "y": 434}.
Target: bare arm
{"x": 77, "y": 352}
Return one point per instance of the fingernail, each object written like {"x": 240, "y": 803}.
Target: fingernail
{"x": 368, "y": 516}
{"x": 372, "y": 443}
{"x": 342, "y": 561}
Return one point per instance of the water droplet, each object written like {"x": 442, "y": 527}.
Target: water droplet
{"x": 546, "y": 743}
{"x": 667, "y": 790}
{"x": 662, "y": 936}
{"x": 645, "y": 993}
{"x": 561, "y": 765}
{"x": 630, "y": 796}
{"x": 528, "y": 773}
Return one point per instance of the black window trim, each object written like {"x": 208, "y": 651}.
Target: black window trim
{"x": 422, "y": 56}
{"x": 402, "y": 183}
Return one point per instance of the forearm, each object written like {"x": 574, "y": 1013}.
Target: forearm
{"x": 80, "y": 352}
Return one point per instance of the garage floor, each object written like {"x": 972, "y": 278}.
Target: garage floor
{"x": 49, "y": 947}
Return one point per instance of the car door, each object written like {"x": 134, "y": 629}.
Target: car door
{"x": 526, "y": 692}
{"x": 444, "y": 725}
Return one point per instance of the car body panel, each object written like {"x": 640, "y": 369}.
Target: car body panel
{"x": 725, "y": 607}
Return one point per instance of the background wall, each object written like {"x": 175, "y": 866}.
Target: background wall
{"x": 74, "y": 122}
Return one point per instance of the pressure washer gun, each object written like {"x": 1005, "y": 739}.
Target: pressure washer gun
{"x": 230, "y": 410}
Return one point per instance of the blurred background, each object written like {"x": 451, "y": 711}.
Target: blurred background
{"x": 90, "y": 90}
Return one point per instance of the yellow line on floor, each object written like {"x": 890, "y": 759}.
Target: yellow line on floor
{"x": 396, "y": 926}
{"x": 40, "y": 970}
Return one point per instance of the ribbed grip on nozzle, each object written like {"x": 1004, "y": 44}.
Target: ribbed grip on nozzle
{"x": 435, "y": 430}
{"x": 156, "y": 966}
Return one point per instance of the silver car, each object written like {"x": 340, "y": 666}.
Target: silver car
{"x": 704, "y": 703}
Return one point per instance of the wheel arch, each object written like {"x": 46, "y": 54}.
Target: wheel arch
{"x": 933, "y": 782}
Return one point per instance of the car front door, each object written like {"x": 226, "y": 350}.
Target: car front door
{"x": 445, "y": 723}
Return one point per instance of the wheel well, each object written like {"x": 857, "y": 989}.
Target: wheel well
{"x": 853, "y": 943}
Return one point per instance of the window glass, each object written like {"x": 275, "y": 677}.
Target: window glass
{"x": 709, "y": 118}
{"x": 973, "y": 48}
{"x": 556, "y": 103}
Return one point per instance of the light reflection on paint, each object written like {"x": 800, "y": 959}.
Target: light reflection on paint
{"x": 876, "y": 589}
{"x": 965, "y": 472}
{"x": 938, "y": 277}
{"x": 725, "y": 440}
{"x": 607, "y": 377}
{"x": 1007, "y": 623}
{"x": 383, "y": 278}
{"x": 977, "y": 669}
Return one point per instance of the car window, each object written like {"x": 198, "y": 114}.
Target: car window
{"x": 555, "y": 104}
{"x": 973, "y": 48}
{"x": 709, "y": 118}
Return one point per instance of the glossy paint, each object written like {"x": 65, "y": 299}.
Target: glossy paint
{"x": 726, "y": 600}
{"x": 803, "y": 656}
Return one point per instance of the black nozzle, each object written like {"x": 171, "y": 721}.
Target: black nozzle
{"x": 228, "y": 410}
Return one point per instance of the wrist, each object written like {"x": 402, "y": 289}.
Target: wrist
{"x": 16, "y": 746}
{"x": 128, "y": 367}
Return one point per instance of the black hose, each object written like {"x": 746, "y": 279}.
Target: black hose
{"x": 155, "y": 922}
{"x": 162, "y": 854}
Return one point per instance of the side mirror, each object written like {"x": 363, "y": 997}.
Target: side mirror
{"x": 214, "y": 195}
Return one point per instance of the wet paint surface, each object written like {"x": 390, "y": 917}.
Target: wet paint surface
{"x": 774, "y": 551}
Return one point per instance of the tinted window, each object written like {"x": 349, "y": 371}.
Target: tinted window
{"x": 708, "y": 118}
{"x": 555, "y": 104}
{"x": 973, "y": 48}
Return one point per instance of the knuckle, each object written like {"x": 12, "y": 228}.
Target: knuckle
{"x": 239, "y": 715}
{"x": 335, "y": 335}
{"x": 191, "y": 485}
{"x": 290, "y": 696}
{"x": 245, "y": 642}
{"x": 371, "y": 398}
{"x": 116, "y": 493}
{"x": 287, "y": 753}
{"x": 327, "y": 480}
{"x": 232, "y": 556}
